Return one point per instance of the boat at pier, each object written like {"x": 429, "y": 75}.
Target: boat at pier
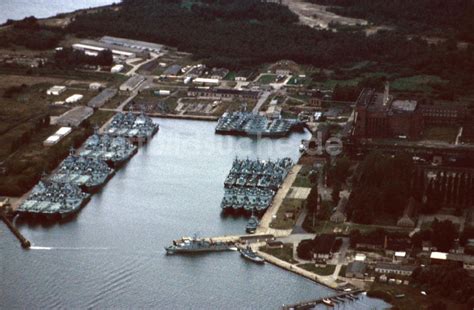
{"x": 115, "y": 151}
{"x": 51, "y": 199}
{"x": 196, "y": 245}
{"x": 249, "y": 254}
{"x": 139, "y": 129}
{"x": 252, "y": 225}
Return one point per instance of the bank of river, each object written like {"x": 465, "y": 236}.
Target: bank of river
{"x": 112, "y": 254}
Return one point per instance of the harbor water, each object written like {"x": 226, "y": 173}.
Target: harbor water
{"x": 18, "y": 9}
{"x": 112, "y": 254}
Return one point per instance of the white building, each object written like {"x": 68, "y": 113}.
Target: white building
{"x": 205, "y": 81}
{"x": 57, "y": 136}
{"x": 116, "y": 69}
{"x": 56, "y": 90}
{"x": 74, "y": 98}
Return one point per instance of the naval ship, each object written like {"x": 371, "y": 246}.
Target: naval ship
{"x": 139, "y": 128}
{"x": 115, "y": 151}
{"x": 88, "y": 173}
{"x": 52, "y": 199}
{"x": 196, "y": 245}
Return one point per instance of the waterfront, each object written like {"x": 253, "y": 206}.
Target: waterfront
{"x": 18, "y": 9}
{"x": 112, "y": 254}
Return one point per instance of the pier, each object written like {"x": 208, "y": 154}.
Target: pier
{"x": 330, "y": 301}
{"x": 25, "y": 243}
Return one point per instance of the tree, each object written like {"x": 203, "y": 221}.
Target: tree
{"x": 336, "y": 190}
{"x": 443, "y": 235}
{"x": 304, "y": 249}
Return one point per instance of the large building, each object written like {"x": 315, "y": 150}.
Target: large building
{"x": 379, "y": 116}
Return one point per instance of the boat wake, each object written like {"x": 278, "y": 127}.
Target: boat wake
{"x": 45, "y": 248}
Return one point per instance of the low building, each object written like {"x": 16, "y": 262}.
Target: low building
{"x": 222, "y": 93}
{"x": 132, "y": 83}
{"x": 196, "y": 71}
{"x": 444, "y": 114}
{"x": 316, "y": 99}
{"x": 339, "y": 215}
{"x": 96, "y": 86}
{"x": 172, "y": 70}
{"x": 273, "y": 112}
{"x": 395, "y": 269}
{"x": 219, "y": 73}
{"x": 356, "y": 269}
{"x": 205, "y": 81}
{"x": 116, "y": 69}
{"x": 74, "y": 98}
{"x": 135, "y": 44}
{"x": 102, "y": 98}
{"x": 73, "y": 117}
{"x": 56, "y": 90}
{"x": 459, "y": 260}
{"x": 57, "y": 136}
{"x": 93, "y": 48}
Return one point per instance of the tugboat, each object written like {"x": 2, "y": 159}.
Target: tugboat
{"x": 249, "y": 254}
{"x": 252, "y": 224}
{"x": 193, "y": 245}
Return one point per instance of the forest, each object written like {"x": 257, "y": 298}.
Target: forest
{"x": 242, "y": 34}
{"x": 430, "y": 17}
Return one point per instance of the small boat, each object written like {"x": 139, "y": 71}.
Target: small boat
{"x": 252, "y": 224}
{"x": 328, "y": 302}
{"x": 249, "y": 254}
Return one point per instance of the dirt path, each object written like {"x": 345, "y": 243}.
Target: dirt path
{"x": 314, "y": 15}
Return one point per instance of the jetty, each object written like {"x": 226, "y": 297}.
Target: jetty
{"x": 330, "y": 301}
{"x": 25, "y": 243}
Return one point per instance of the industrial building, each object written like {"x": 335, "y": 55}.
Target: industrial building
{"x": 92, "y": 47}
{"x": 73, "y": 117}
{"x": 57, "y": 136}
{"x": 74, "y": 98}
{"x": 222, "y": 93}
{"x": 205, "y": 81}
{"x": 132, "y": 83}
{"x": 102, "y": 98}
{"x": 135, "y": 44}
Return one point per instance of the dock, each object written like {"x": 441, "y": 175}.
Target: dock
{"x": 25, "y": 243}
{"x": 330, "y": 301}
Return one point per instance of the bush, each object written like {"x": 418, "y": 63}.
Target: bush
{"x": 304, "y": 249}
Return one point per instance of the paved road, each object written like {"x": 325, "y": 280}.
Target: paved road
{"x": 261, "y": 101}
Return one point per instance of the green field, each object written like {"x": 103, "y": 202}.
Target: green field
{"x": 267, "y": 79}
{"x": 446, "y": 134}
{"x": 285, "y": 253}
{"x": 288, "y": 205}
{"x": 322, "y": 271}
{"x": 416, "y": 83}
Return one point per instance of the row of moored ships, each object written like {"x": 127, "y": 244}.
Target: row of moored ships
{"x": 251, "y": 184}
{"x": 70, "y": 186}
{"x": 250, "y": 124}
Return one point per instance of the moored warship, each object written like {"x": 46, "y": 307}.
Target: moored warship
{"x": 88, "y": 173}
{"x": 137, "y": 128}
{"x": 194, "y": 245}
{"x": 52, "y": 199}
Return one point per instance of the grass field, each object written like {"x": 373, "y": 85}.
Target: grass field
{"x": 289, "y": 205}
{"x": 322, "y": 271}
{"x": 446, "y": 134}
{"x": 267, "y": 78}
{"x": 416, "y": 83}
{"x": 285, "y": 253}
{"x": 413, "y": 299}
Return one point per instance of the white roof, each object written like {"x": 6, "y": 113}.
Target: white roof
{"x": 360, "y": 257}
{"x": 75, "y": 97}
{"x": 439, "y": 255}
{"x": 53, "y": 138}
{"x": 400, "y": 254}
{"x": 63, "y": 131}
{"x": 204, "y": 80}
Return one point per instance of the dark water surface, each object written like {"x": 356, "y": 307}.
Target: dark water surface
{"x": 112, "y": 256}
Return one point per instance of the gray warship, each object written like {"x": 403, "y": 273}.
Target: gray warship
{"x": 196, "y": 245}
{"x": 137, "y": 128}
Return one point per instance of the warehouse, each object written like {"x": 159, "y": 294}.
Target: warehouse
{"x": 94, "y": 47}
{"x": 144, "y": 46}
{"x": 57, "y": 136}
{"x": 73, "y": 117}
{"x": 74, "y": 98}
{"x": 132, "y": 83}
{"x": 102, "y": 98}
